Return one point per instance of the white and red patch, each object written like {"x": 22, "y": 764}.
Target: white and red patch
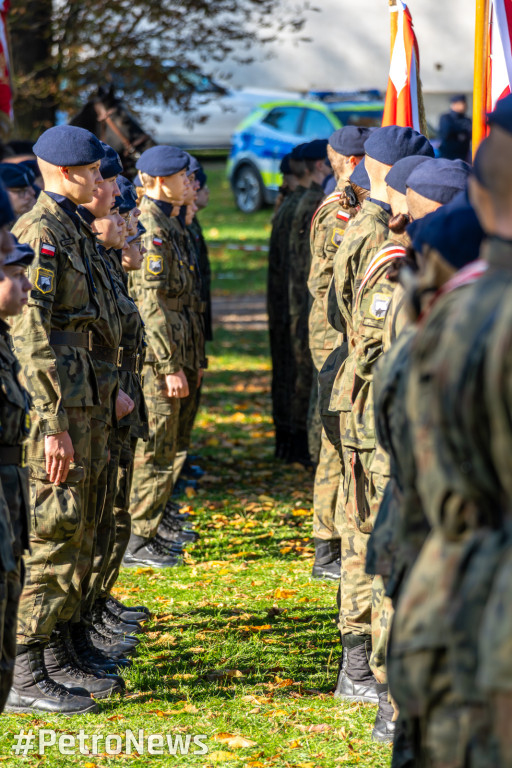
{"x": 157, "y": 241}
{"x": 343, "y": 215}
{"x": 47, "y": 249}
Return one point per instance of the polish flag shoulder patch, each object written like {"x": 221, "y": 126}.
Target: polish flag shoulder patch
{"x": 47, "y": 249}
{"x": 157, "y": 241}
{"x": 343, "y": 215}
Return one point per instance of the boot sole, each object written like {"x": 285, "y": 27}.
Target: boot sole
{"x": 381, "y": 739}
{"x": 358, "y": 699}
{"x": 140, "y": 564}
{"x": 316, "y": 574}
{"x": 34, "y": 710}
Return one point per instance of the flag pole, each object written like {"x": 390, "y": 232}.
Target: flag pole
{"x": 480, "y": 75}
{"x": 394, "y": 26}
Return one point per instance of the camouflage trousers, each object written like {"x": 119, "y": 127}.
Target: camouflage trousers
{"x": 52, "y": 579}
{"x": 100, "y": 435}
{"x": 327, "y": 481}
{"x": 364, "y": 608}
{"x": 153, "y": 462}
{"x": 10, "y": 591}
{"x": 303, "y": 375}
{"x": 106, "y": 524}
{"x": 282, "y": 375}
{"x": 122, "y": 517}
{"x": 188, "y": 411}
{"x": 314, "y": 422}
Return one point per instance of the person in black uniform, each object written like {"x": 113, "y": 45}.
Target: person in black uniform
{"x": 455, "y": 130}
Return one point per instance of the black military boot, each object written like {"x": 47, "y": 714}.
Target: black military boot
{"x": 384, "y": 727}
{"x": 173, "y": 511}
{"x": 90, "y": 655}
{"x": 112, "y": 647}
{"x": 63, "y": 667}
{"x": 355, "y": 678}
{"x": 33, "y": 690}
{"x": 103, "y": 620}
{"x": 149, "y": 553}
{"x": 327, "y": 563}
{"x": 172, "y": 532}
{"x": 173, "y": 547}
{"x": 127, "y": 612}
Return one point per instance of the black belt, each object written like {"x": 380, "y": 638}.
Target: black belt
{"x": 85, "y": 341}
{"x": 12, "y": 454}
{"x": 131, "y": 363}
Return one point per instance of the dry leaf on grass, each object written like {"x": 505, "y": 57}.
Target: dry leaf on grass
{"x": 234, "y": 741}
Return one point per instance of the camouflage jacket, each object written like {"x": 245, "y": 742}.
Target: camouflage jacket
{"x": 157, "y": 289}
{"x": 196, "y": 233}
{"x": 14, "y": 429}
{"x": 133, "y": 345}
{"x": 278, "y": 300}
{"x": 62, "y": 298}
{"x": 194, "y": 306}
{"x": 300, "y": 255}
{"x": 363, "y": 239}
{"x": 106, "y": 331}
{"x": 327, "y": 230}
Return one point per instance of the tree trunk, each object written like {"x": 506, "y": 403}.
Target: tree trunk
{"x": 30, "y": 29}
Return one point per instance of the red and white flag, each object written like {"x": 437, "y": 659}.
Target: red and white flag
{"x": 499, "y": 60}
{"x": 403, "y": 95}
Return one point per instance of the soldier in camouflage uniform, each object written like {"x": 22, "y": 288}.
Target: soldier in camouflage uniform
{"x": 278, "y": 308}
{"x": 15, "y": 420}
{"x": 158, "y": 289}
{"x": 315, "y": 156}
{"x": 345, "y": 150}
{"x": 365, "y": 463}
{"x": 51, "y": 339}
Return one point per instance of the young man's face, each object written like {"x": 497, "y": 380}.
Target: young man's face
{"x": 6, "y": 246}
{"x": 104, "y": 197}
{"x": 14, "y": 290}
{"x": 175, "y": 187}
{"x": 133, "y": 255}
{"x": 203, "y": 196}
{"x": 82, "y": 182}
{"x": 110, "y": 230}
{"x": 22, "y": 199}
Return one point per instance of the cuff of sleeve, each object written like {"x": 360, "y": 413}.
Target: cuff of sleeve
{"x": 54, "y": 424}
{"x": 169, "y": 366}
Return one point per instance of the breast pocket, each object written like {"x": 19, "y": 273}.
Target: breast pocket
{"x": 73, "y": 286}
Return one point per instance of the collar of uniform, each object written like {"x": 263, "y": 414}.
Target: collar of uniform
{"x": 86, "y": 214}
{"x": 498, "y": 253}
{"x": 164, "y": 207}
{"x": 65, "y": 203}
{"x": 4, "y": 328}
{"x": 385, "y": 206}
{"x": 47, "y": 200}
{"x": 376, "y": 210}
{"x": 150, "y": 208}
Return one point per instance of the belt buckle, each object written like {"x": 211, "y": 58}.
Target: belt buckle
{"x": 119, "y": 360}
{"x": 91, "y": 342}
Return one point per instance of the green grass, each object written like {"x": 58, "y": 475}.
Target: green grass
{"x": 234, "y": 270}
{"x": 243, "y": 647}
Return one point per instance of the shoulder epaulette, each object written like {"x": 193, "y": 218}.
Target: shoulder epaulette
{"x": 385, "y": 255}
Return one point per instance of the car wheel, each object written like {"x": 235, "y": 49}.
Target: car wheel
{"x": 247, "y": 189}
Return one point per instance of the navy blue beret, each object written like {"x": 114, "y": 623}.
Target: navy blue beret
{"x": 458, "y": 97}
{"x": 22, "y": 253}
{"x": 400, "y": 172}
{"x": 453, "y": 230}
{"x": 392, "y": 143}
{"x": 68, "y": 145}
{"x": 6, "y": 212}
{"x": 201, "y": 177}
{"x": 297, "y": 152}
{"x": 194, "y": 164}
{"x": 141, "y": 229}
{"x": 284, "y": 165}
{"x": 329, "y": 184}
{"x": 14, "y": 175}
{"x": 360, "y": 176}
{"x": 315, "y": 150}
{"x": 349, "y": 140}
{"x": 478, "y": 171}
{"x": 111, "y": 164}
{"x": 138, "y": 181}
{"x": 163, "y": 160}
{"x": 127, "y": 200}
{"x": 502, "y": 114}
{"x": 439, "y": 179}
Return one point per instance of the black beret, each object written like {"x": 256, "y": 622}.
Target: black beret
{"x": 453, "y": 230}
{"x": 194, "y": 164}
{"x": 315, "y": 150}
{"x": 6, "y": 212}
{"x": 111, "y": 164}
{"x": 284, "y": 165}
{"x": 349, "y": 140}
{"x": 297, "y": 152}
{"x": 439, "y": 179}
{"x": 22, "y": 253}
{"x": 502, "y": 114}
{"x": 360, "y": 176}
{"x": 127, "y": 200}
{"x": 392, "y": 143}
{"x": 68, "y": 145}
{"x": 163, "y": 160}
{"x": 400, "y": 172}
{"x": 14, "y": 175}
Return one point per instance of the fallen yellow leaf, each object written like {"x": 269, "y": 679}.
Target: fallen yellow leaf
{"x": 234, "y": 741}
{"x": 218, "y": 757}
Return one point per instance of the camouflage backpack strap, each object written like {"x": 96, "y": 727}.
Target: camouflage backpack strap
{"x": 384, "y": 256}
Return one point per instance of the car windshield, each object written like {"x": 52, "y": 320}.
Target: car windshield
{"x": 367, "y": 118}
